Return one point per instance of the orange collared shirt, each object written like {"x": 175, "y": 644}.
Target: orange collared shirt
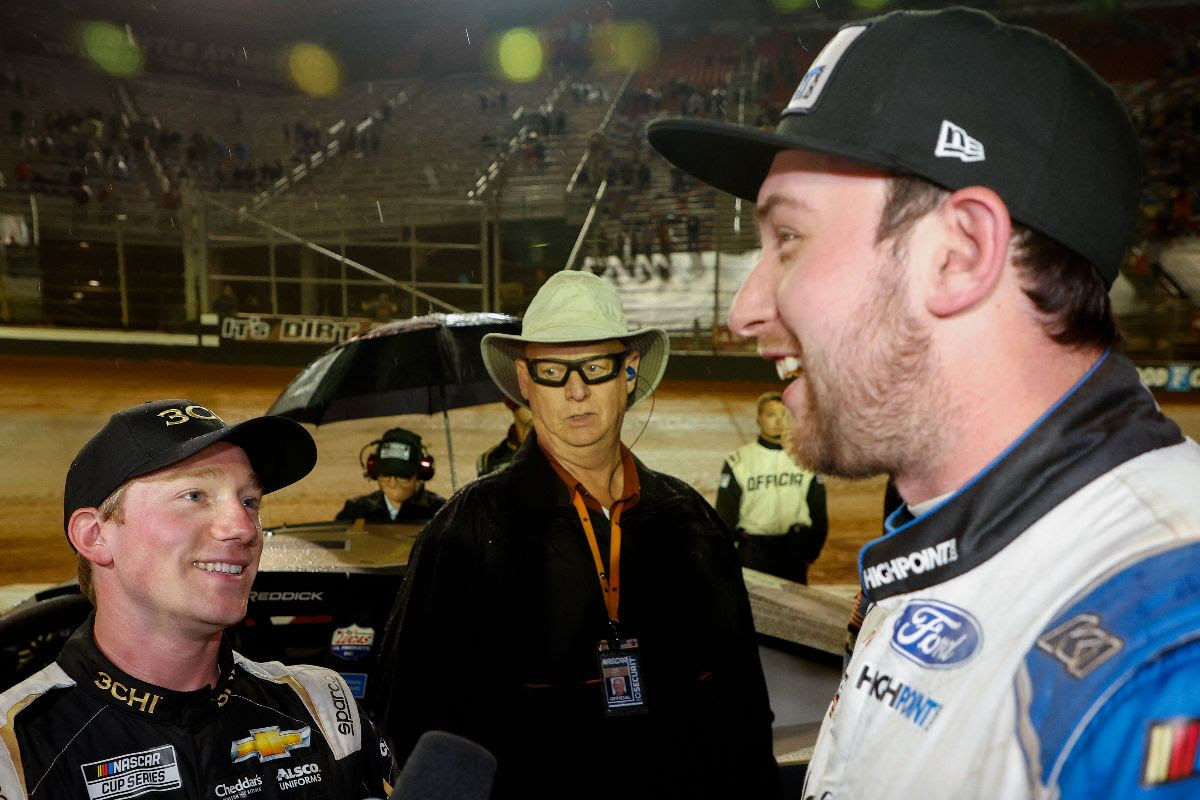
{"x": 631, "y": 485}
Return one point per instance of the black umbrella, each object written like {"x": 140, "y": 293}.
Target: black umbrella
{"x": 421, "y": 365}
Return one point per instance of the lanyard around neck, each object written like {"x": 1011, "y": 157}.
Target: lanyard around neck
{"x": 610, "y": 580}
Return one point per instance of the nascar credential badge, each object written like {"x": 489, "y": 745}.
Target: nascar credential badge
{"x": 132, "y": 774}
{"x": 936, "y": 634}
{"x": 352, "y": 643}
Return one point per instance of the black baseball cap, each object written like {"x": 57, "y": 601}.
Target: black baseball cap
{"x": 399, "y": 453}
{"x": 960, "y": 99}
{"x": 154, "y": 435}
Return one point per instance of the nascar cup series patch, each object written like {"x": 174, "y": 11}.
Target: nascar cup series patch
{"x": 132, "y": 774}
{"x": 938, "y": 635}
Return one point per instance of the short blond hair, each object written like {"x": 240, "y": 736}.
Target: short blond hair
{"x": 113, "y": 508}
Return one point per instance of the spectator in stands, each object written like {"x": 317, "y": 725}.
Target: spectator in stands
{"x": 116, "y": 167}
{"x": 693, "y": 233}
{"x": 83, "y": 197}
{"x": 226, "y": 303}
{"x": 666, "y": 240}
{"x": 381, "y": 309}
{"x": 23, "y": 175}
{"x": 678, "y": 181}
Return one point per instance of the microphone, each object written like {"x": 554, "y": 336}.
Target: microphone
{"x": 444, "y": 766}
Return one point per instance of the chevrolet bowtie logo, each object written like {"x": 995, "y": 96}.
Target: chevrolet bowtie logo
{"x": 269, "y": 744}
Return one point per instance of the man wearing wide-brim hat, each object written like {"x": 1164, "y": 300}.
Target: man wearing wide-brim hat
{"x": 538, "y": 585}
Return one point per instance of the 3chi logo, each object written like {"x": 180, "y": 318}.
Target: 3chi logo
{"x": 269, "y": 744}
{"x": 178, "y": 416}
{"x": 1080, "y": 644}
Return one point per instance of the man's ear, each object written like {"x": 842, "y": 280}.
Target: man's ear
{"x": 973, "y": 255}
{"x": 632, "y": 359}
{"x": 85, "y": 529}
{"x": 522, "y": 377}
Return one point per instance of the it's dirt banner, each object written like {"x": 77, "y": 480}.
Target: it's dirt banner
{"x": 290, "y": 329}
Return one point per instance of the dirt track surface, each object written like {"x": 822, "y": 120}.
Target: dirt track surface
{"x": 50, "y": 406}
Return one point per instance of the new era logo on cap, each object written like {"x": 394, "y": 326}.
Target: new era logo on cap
{"x": 954, "y": 142}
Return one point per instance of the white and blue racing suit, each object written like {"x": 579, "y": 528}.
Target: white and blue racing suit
{"x": 1037, "y": 634}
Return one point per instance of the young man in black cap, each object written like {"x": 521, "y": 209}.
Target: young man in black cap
{"x": 943, "y": 207}
{"x": 400, "y": 464}
{"x": 162, "y": 507}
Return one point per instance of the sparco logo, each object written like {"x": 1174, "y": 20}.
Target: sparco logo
{"x": 285, "y": 597}
{"x": 936, "y": 634}
{"x": 908, "y": 702}
{"x": 251, "y": 784}
{"x": 938, "y": 555}
{"x": 341, "y": 707}
{"x": 298, "y": 776}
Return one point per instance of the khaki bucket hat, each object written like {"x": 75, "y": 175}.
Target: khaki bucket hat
{"x": 572, "y": 308}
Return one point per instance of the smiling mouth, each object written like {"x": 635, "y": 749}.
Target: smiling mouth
{"x": 218, "y": 566}
{"x": 789, "y": 367}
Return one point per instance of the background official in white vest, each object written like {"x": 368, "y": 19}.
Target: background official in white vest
{"x": 776, "y": 508}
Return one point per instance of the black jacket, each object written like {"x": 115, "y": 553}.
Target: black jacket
{"x": 373, "y": 508}
{"x": 494, "y": 634}
{"x": 83, "y": 729}
{"x": 499, "y": 456}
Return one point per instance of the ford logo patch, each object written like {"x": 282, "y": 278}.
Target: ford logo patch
{"x": 936, "y": 634}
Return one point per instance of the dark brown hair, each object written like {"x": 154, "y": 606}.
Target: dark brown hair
{"x": 1066, "y": 289}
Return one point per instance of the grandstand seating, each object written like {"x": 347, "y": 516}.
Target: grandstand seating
{"x": 444, "y": 143}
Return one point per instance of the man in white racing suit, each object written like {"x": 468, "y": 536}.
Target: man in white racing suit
{"x": 943, "y": 208}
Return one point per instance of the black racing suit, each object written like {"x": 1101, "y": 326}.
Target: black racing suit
{"x": 373, "y": 508}
{"x": 82, "y": 728}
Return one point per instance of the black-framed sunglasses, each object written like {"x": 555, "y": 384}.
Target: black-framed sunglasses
{"x": 593, "y": 369}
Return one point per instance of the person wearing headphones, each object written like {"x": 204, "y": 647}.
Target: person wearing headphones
{"x": 400, "y": 464}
